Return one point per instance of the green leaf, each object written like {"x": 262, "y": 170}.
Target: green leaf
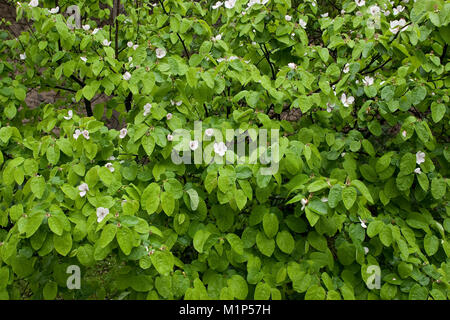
{"x": 374, "y": 228}
{"x": 108, "y": 234}
{"x": 238, "y": 286}
{"x": 148, "y": 143}
{"x": 335, "y": 196}
{"x": 285, "y": 242}
{"x": 236, "y": 243}
{"x": 407, "y": 164}
{"x": 211, "y": 181}
{"x": 262, "y": 291}
{"x": 125, "y": 239}
{"x": 265, "y": 245}
{"x": 194, "y": 200}
{"x": 163, "y": 262}
{"x": 349, "y": 197}
{"x": 317, "y": 185}
{"x": 240, "y": 198}
{"x": 50, "y": 290}
{"x": 437, "y": 111}
{"x": 431, "y": 244}
{"x": 363, "y": 189}
{"x": 418, "y": 293}
{"x": 63, "y": 243}
{"x": 55, "y": 225}
{"x": 438, "y": 188}
{"x": 32, "y": 224}
{"x": 151, "y": 197}
{"x": 105, "y": 175}
{"x": 270, "y": 224}
{"x": 167, "y": 203}
{"x": 315, "y": 292}
{"x": 200, "y": 238}
{"x": 319, "y": 207}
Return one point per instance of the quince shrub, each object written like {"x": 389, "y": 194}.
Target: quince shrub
{"x": 358, "y": 91}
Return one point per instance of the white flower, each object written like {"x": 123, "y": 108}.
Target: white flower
{"x": 304, "y": 202}
{"x": 83, "y": 189}
{"x": 109, "y": 166}
{"x": 160, "y": 53}
{"x": 366, "y": 250}
{"x": 209, "y": 132}
{"x": 95, "y": 30}
{"x": 363, "y": 224}
{"x": 398, "y": 10}
{"x": 169, "y": 137}
{"x": 386, "y": 12}
{"x": 229, "y": 4}
{"x": 135, "y": 47}
{"x": 219, "y": 60}
{"x": 324, "y": 15}
{"x": 130, "y": 59}
{"x": 23, "y": 56}
{"x": 169, "y": 116}
{"x": 105, "y": 42}
{"x": 417, "y": 170}
{"x": 420, "y": 157}
{"x": 85, "y": 134}
{"x": 292, "y": 65}
{"x": 233, "y": 58}
{"x": 123, "y": 133}
{"x": 217, "y": 38}
{"x": 346, "y": 68}
{"x": 127, "y": 76}
{"x": 54, "y": 10}
{"x": 288, "y": 17}
{"x": 360, "y": 3}
{"x": 330, "y": 107}
{"x": 86, "y": 27}
{"x": 69, "y": 115}
{"x": 218, "y": 4}
{"x": 368, "y": 81}
{"x": 147, "y": 109}
{"x": 34, "y": 3}
{"x": 178, "y": 103}
{"x": 302, "y": 23}
{"x": 112, "y": 158}
{"x": 102, "y": 213}
{"x": 83, "y": 58}
{"x": 343, "y": 154}
{"x": 324, "y": 199}
{"x": 220, "y": 148}
{"x": 396, "y": 24}
{"x": 193, "y": 145}
{"x": 129, "y": 44}
{"x": 404, "y": 133}
{"x": 374, "y": 10}
{"x": 76, "y": 134}
{"x": 347, "y": 101}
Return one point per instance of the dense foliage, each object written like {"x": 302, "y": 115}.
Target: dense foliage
{"x": 357, "y": 89}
